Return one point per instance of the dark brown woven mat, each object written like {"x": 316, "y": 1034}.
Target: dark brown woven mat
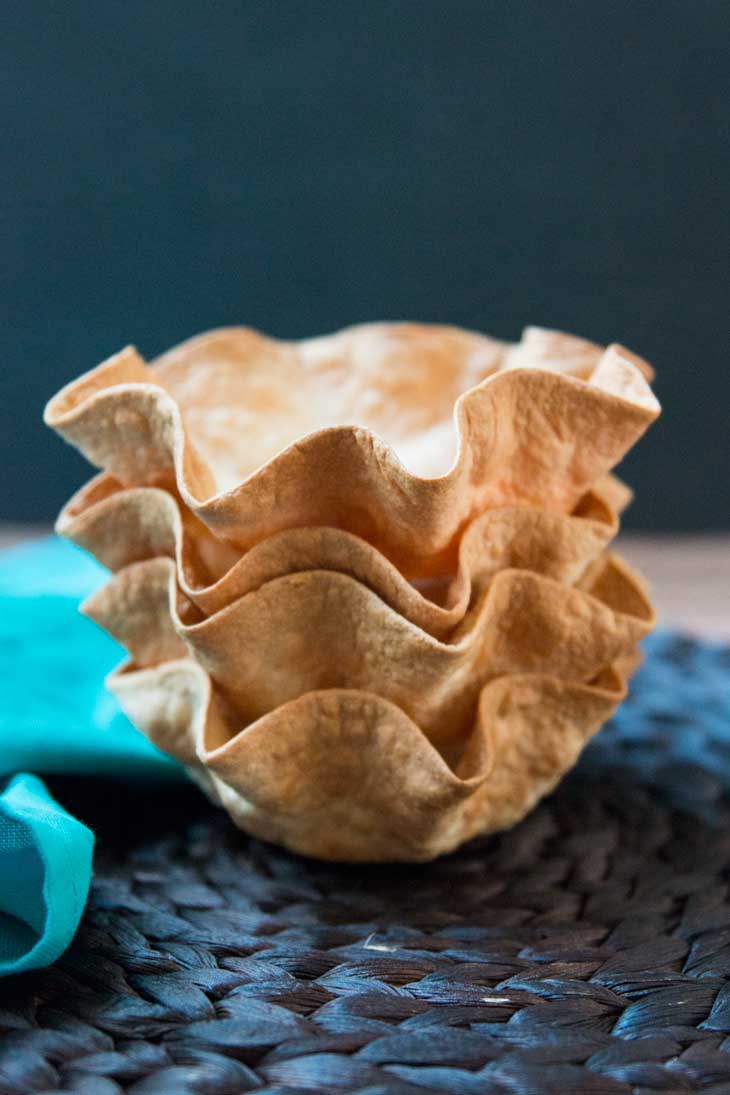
{"x": 587, "y": 951}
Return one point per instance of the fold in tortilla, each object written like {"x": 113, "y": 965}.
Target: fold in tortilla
{"x": 320, "y": 630}
{"x": 346, "y": 775}
{"x": 398, "y": 433}
{"x": 363, "y": 578}
{"x": 121, "y": 526}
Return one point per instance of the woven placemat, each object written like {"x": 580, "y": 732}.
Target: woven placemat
{"x": 586, "y": 951}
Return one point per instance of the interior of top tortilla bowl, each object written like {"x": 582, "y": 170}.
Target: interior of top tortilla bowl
{"x": 246, "y": 397}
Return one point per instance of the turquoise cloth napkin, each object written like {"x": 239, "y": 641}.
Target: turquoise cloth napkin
{"x": 45, "y": 870}
{"x": 55, "y": 717}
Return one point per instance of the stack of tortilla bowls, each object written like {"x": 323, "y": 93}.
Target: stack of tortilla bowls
{"x": 363, "y": 579}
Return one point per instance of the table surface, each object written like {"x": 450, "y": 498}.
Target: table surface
{"x": 689, "y": 576}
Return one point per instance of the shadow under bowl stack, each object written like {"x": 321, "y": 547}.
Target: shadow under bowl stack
{"x": 364, "y": 580}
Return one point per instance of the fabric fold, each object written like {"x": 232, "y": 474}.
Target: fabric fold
{"x": 45, "y": 871}
{"x": 55, "y": 718}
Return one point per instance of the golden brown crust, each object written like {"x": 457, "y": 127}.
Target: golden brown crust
{"x": 346, "y": 775}
{"x": 121, "y": 526}
{"x": 523, "y": 435}
{"x": 321, "y": 630}
{"x": 363, "y": 579}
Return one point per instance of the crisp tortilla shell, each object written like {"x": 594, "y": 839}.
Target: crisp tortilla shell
{"x": 319, "y": 630}
{"x": 346, "y": 775}
{"x": 400, "y": 434}
{"x": 121, "y": 526}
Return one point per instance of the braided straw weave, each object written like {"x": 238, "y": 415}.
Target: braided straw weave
{"x": 585, "y": 952}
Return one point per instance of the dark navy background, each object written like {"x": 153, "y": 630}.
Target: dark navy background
{"x": 172, "y": 166}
